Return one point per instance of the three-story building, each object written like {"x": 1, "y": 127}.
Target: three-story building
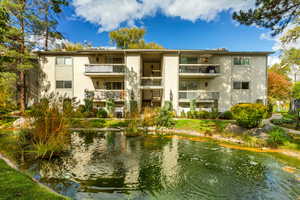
{"x": 211, "y": 78}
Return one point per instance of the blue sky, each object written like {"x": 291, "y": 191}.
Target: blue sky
{"x": 175, "y": 24}
{"x": 175, "y": 33}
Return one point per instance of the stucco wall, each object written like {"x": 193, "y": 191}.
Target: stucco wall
{"x": 81, "y": 81}
{"x": 171, "y": 78}
{"x": 132, "y": 77}
{"x": 255, "y": 74}
{"x": 222, "y": 84}
{"x": 48, "y": 68}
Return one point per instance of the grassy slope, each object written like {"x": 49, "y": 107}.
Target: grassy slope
{"x": 201, "y": 125}
{"x": 15, "y": 185}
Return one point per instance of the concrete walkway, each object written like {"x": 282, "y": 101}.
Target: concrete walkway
{"x": 279, "y": 116}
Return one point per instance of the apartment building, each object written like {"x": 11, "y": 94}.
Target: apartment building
{"x": 212, "y": 78}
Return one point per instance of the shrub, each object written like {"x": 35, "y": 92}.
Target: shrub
{"x": 133, "y": 106}
{"x": 277, "y": 136}
{"x": 213, "y": 115}
{"x": 149, "y": 117}
{"x": 183, "y": 114}
{"x": 193, "y": 105}
{"x": 110, "y": 107}
{"x": 226, "y": 115}
{"x": 168, "y": 106}
{"x": 203, "y": 114}
{"x": 270, "y": 110}
{"x": 249, "y": 115}
{"x": 102, "y": 113}
{"x": 164, "y": 119}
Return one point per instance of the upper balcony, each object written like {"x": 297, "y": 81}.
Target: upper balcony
{"x": 105, "y": 70}
{"x": 199, "y": 70}
{"x": 198, "y": 95}
{"x": 151, "y": 83}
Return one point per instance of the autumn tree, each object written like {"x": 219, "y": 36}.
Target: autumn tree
{"x": 279, "y": 87}
{"x": 131, "y": 38}
{"x": 275, "y": 15}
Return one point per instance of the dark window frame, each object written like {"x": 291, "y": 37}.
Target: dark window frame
{"x": 241, "y": 85}
{"x": 64, "y": 84}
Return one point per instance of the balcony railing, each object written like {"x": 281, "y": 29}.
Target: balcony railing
{"x": 202, "y": 69}
{"x": 117, "y": 95}
{"x": 105, "y": 68}
{"x": 153, "y": 81}
{"x": 198, "y": 95}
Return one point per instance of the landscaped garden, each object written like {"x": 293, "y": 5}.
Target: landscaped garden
{"x": 75, "y": 149}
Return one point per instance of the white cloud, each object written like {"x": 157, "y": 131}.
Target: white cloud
{"x": 110, "y": 14}
{"x": 278, "y": 45}
{"x": 273, "y": 59}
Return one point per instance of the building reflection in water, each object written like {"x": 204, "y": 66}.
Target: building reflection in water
{"x": 112, "y": 161}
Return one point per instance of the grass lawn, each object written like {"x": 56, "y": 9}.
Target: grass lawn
{"x": 15, "y": 185}
{"x": 98, "y": 123}
{"x": 201, "y": 125}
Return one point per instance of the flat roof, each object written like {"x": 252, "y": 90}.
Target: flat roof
{"x": 172, "y": 51}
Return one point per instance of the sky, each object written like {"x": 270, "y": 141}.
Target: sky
{"x": 174, "y": 24}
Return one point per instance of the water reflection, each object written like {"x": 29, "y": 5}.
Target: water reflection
{"x": 111, "y": 166}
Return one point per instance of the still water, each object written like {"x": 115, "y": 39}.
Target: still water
{"x": 112, "y": 166}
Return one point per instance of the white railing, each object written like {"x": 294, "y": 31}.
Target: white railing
{"x": 151, "y": 81}
{"x": 117, "y": 95}
{"x": 198, "y": 95}
{"x": 104, "y": 68}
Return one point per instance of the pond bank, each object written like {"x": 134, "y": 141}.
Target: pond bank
{"x": 16, "y": 185}
{"x": 227, "y": 141}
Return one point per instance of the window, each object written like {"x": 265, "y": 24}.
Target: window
{"x": 241, "y": 85}
{"x": 241, "y": 61}
{"x": 189, "y": 60}
{"x": 189, "y": 85}
{"x": 63, "y": 84}
{"x": 113, "y": 85}
{"x": 64, "y": 61}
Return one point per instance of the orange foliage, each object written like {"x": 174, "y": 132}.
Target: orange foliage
{"x": 279, "y": 87}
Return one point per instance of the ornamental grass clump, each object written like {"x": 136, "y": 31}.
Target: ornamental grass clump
{"x": 49, "y": 135}
{"x": 249, "y": 115}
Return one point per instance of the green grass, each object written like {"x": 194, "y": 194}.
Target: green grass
{"x": 201, "y": 125}
{"x": 98, "y": 123}
{"x": 14, "y": 185}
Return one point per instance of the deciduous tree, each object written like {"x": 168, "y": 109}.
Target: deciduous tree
{"x": 279, "y": 87}
{"x": 131, "y": 38}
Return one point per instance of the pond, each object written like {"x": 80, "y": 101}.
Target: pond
{"x": 113, "y": 166}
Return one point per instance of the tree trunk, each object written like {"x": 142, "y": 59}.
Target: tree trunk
{"x": 22, "y": 91}
{"x": 47, "y": 27}
{"x": 22, "y": 51}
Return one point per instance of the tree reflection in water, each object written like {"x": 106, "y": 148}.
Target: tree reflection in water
{"x": 111, "y": 166}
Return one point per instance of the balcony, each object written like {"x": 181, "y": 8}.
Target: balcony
{"x": 199, "y": 70}
{"x": 103, "y": 95}
{"x": 199, "y": 96}
{"x": 151, "y": 82}
{"x": 104, "y": 70}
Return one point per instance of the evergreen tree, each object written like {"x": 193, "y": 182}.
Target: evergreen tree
{"x": 275, "y": 15}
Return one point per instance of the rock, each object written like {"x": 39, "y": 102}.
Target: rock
{"x": 233, "y": 128}
{"x": 22, "y": 123}
{"x": 267, "y": 127}
{"x": 258, "y": 132}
